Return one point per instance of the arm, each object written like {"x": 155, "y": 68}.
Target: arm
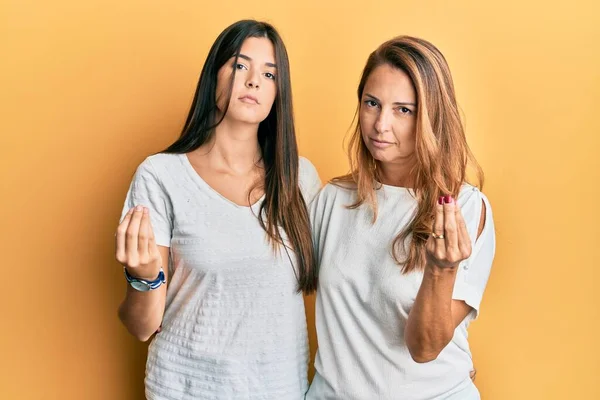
{"x": 435, "y": 315}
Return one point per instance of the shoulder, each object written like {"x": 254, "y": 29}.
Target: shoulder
{"x": 335, "y": 192}
{"x": 308, "y": 179}
{"x": 475, "y": 208}
{"x": 161, "y": 165}
{"x": 158, "y": 169}
{"x": 162, "y": 161}
{"x": 470, "y": 196}
{"x": 306, "y": 169}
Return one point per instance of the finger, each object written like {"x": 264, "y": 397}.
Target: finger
{"x": 438, "y": 245}
{"x": 143, "y": 236}
{"x": 464, "y": 240}
{"x": 450, "y": 228}
{"x": 438, "y": 221}
{"x": 132, "y": 235}
{"x": 473, "y": 374}
{"x": 153, "y": 250}
{"x": 120, "y": 237}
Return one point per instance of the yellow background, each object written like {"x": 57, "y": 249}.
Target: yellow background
{"x": 89, "y": 88}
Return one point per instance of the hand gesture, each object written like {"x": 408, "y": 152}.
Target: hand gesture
{"x": 136, "y": 247}
{"x": 449, "y": 243}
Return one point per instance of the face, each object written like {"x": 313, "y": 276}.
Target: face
{"x": 388, "y": 115}
{"x": 254, "y": 86}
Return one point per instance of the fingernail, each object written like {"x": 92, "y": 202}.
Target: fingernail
{"x": 441, "y": 200}
{"x": 145, "y": 210}
{"x": 448, "y": 199}
{"x": 138, "y": 208}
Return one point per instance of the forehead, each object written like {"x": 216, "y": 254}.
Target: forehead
{"x": 259, "y": 49}
{"x": 390, "y": 84}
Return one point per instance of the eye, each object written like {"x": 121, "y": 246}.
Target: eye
{"x": 371, "y": 103}
{"x": 404, "y": 110}
{"x": 270, "y": 75}
{"x": 240, "y": 66}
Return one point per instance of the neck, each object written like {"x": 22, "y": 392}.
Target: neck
{"x": 234, "y": 147}
{"x": 396, "y": 173}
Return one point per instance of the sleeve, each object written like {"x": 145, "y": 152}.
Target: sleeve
{"x": 146, "y": 190}
{"x": 309, "y": 180}
{"x": 315, "y": 211}
{"x": 474, "y": 272}
{"x": 321, "y": 211}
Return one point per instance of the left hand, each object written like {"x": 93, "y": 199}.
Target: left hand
{"x": 449, "y": 244}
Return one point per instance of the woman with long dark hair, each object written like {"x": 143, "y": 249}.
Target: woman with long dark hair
{"x": 221, "y": 216}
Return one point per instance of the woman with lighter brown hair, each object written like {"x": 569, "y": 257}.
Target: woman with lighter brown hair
{"x": 403, "y": 243}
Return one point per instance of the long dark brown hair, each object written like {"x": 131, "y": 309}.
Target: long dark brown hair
{"x": 442, "y": 152}
{"x": 283, "y": 205}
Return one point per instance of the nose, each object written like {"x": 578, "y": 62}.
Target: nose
{"x": 252, "y": 80}
{"x": 383, "y": 122}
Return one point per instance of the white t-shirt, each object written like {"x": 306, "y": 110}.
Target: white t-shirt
{"x": 363, "y": 300}
{"x": 234, "y": 326}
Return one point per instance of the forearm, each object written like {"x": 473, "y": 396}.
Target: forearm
{"x": 142, "y": 312}
{"x": 430, "y": 325}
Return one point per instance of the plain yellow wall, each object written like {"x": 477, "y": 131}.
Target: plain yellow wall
{"x": 89, "y": 88}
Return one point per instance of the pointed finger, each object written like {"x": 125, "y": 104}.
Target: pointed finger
{"x": 450, "y": 228}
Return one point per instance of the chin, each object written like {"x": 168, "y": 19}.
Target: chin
{"x": 379, "y": 154}
{"x": 244, "y": 117}
{"x": 391, "y": 158}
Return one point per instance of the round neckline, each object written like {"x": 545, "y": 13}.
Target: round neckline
{"x": 396, "y": 189}
{"x": 203, "y": 184}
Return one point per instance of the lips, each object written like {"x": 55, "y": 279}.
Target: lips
{"x": 380, "y": 143}
{"x": 249, "y": 99}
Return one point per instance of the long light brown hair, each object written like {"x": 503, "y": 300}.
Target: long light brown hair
{"x": 441, "y": 149}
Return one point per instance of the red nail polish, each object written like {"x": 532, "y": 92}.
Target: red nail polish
{"x": 448, "y": 199}
{"x": 441, "y": 200}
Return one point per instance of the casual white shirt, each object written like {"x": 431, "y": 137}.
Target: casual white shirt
{"x": 363, "y": 300}
{"x": 234, "y": 325}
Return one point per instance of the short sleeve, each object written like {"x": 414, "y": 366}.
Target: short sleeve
{"x": 146, "y": 190}
{"x": 474, "y": 272}
{"x": 309, "y": 180}
{"x": 315, "y": 211}
{"x": 320, "y": 212}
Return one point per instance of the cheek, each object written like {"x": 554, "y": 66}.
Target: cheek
{"x": 237, "y": 88}
{"x": 270, "y": 93}
{"x": 366, "y": 122}
{"x": 405, "y": 131}
{"x": 406, "y": 140}
{"x": 223, "y": 79}
{"x": 269, "y": 98}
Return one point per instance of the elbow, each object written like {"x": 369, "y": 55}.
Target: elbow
{"x": 422, "y": 356}
{"x": 422, "y": 351}
{"x": 140, "y": 334}
{"x": 143, "y": 335}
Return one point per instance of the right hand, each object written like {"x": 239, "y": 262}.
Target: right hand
{"x": 136, "y": 245}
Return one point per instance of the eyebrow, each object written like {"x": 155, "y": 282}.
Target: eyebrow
{"x": 268, "y": 64}
{"x": 398, "y": 103}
